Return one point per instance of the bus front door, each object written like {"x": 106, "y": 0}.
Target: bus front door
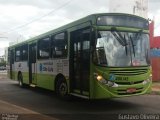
{"x": 32, "y": 64}
{"x": 80, "y": 62}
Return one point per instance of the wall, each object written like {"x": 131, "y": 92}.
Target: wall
{"x": 155, "y": 53}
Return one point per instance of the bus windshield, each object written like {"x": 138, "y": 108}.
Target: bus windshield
{"x": 122, "y": 49}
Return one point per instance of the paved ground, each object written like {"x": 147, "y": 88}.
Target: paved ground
{"x": 38, "y": 104}
{"x": 156, "y": 88}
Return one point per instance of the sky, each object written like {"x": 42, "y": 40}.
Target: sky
{"x": 23, "y": 19}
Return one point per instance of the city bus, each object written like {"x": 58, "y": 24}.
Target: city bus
{"x": 100, "y": 56}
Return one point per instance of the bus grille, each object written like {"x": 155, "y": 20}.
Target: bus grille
{"x": 129, "y": 83}
{"x": 129, "y": 72}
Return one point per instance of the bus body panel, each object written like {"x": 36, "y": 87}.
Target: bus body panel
{"x": 124, "y": 81}
{"x": 47, "y": 70}
{"x": 23, "y": 68}
{"x": 102, "y": 92}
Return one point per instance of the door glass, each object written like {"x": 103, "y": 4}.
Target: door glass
{"x": 32, "y": 63}
{"x": 81, "y": 59}
{"x": 85, "y": 63}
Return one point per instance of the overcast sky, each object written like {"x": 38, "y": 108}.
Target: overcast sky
{"x": 44, "y": 15}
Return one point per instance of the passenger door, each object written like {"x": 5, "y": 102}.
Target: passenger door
{"x": 32, "y": 63}
{"x": 80, "y": 61}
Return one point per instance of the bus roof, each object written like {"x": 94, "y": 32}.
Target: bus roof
{"x": 91, "y": 18}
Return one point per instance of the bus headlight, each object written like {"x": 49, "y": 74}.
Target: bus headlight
{"x": 110, "y": 84}
{"x": 101, "y": 79}
{"x": 150, "y": 77}
{"x": 147, "y": 80}
{"x": 106, "y": 82}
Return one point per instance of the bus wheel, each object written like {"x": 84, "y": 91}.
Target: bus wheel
{"x": 62, "y": 88}
{"x": 20, "y": 80}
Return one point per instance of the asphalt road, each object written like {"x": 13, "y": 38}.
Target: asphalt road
{"x": 40, "y": 104}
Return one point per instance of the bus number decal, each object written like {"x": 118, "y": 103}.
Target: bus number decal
{"x": 122, "y": 78}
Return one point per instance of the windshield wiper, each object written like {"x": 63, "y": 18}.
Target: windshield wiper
{"x": 138, "y": 34}
{"x": 132, "y": 45}
{"x": 122, "y": 40}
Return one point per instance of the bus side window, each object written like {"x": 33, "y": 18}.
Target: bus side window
{"x": 44, "y": 48}
{"x": 18, "y": 54}
{"x": 59, "y": 45}
{"x": 24, "y": 52}
{"x": 21, "y": 53}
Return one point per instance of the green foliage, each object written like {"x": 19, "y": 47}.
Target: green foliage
{"x": 3, "y": 63}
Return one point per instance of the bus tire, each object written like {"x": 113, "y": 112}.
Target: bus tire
{"x": 62, "y": 88}
{"x": 20, "y": 80}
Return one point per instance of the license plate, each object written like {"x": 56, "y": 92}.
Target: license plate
{"x": 131, "y": 90}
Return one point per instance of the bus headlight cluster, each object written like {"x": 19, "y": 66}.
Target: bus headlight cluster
{"x": 106, "y": 82}
{"x": 150, "y": 77}
{"x": 147, "y": 80}
{"x": 101, "y": 79}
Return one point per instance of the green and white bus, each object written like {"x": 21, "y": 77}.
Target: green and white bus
{"x": 99, "y": 56}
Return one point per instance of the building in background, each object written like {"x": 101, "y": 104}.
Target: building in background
{"x": 155, "y": 53}
{"x": 2, "y": 58}
{"x": 136, "y": 7}
{"x": 6, "y": 54}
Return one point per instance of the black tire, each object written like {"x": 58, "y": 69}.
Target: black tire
{"x": 20, "y": 80}
{"x": 62, "y": 89}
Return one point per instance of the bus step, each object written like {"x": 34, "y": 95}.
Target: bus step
{"x": 78, "y": 95}
{"x": 32, "y": 85}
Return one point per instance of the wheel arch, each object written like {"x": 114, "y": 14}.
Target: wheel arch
{"x": 62, "y": 87}
{"x": 59, "y": 76}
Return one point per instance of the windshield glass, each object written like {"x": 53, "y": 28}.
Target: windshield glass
{"x": 121, "y": 49}
{"x": 140, "y": 49}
